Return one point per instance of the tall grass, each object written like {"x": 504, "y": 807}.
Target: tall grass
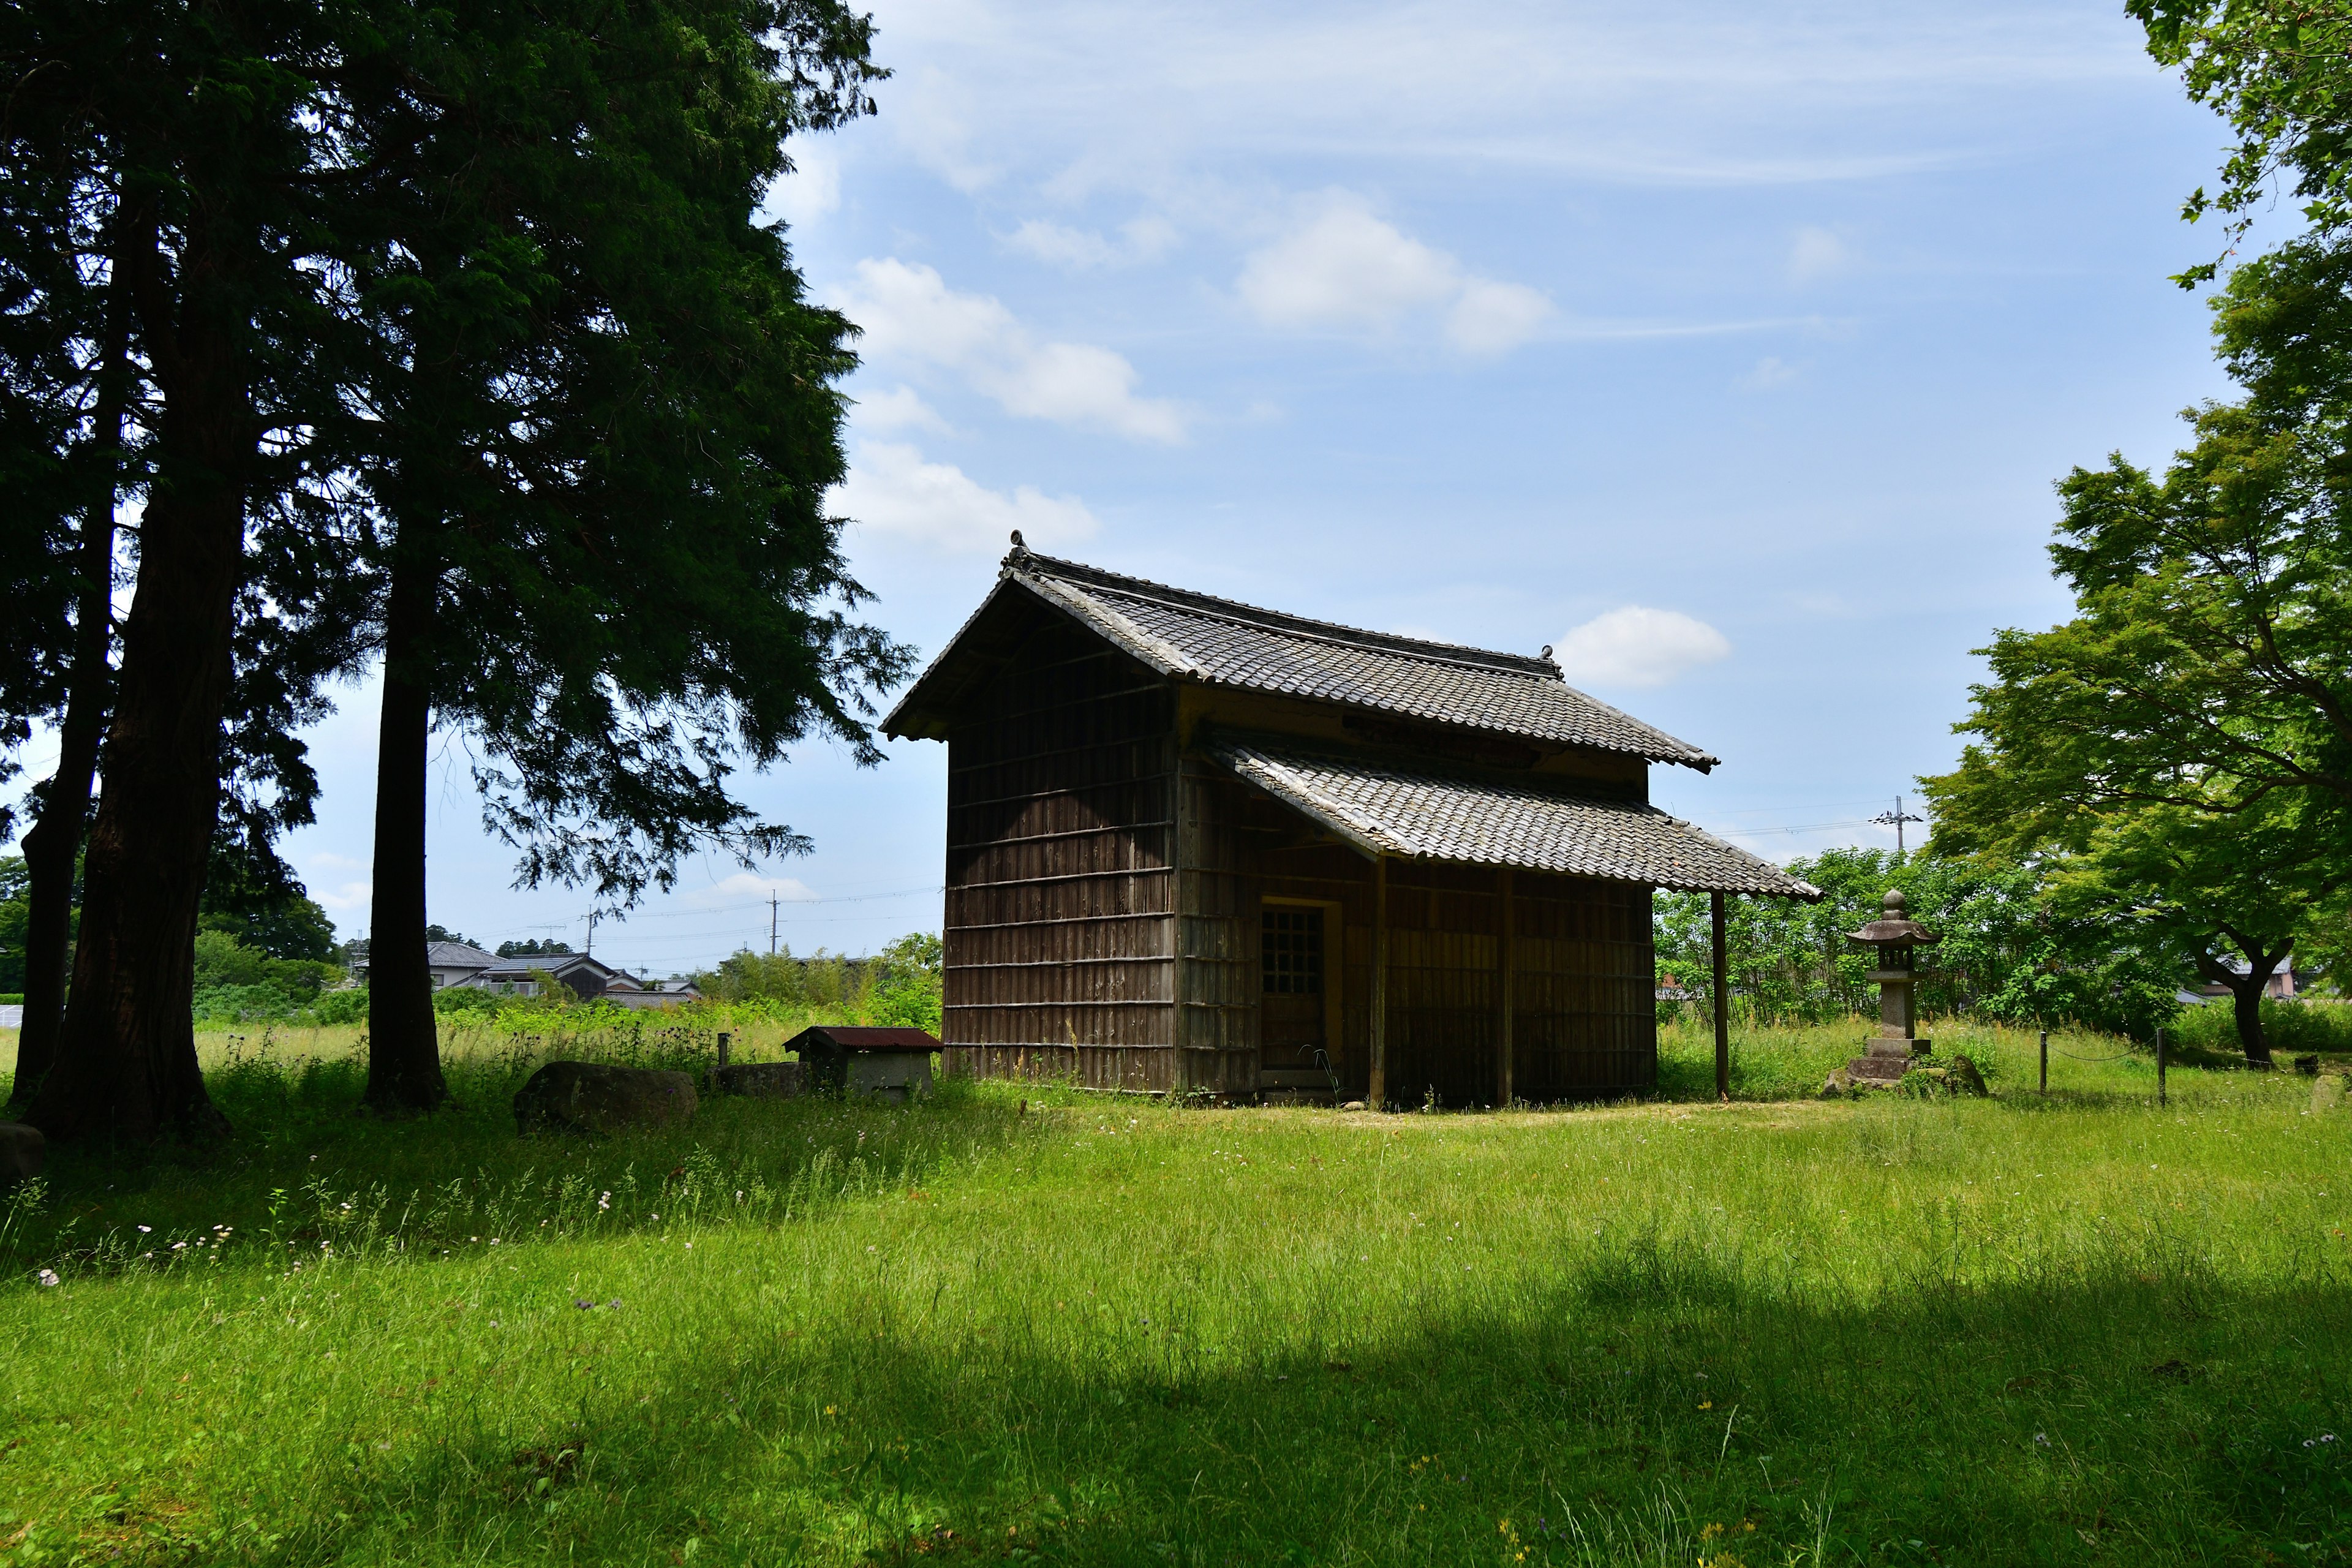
{"x": 1019, "y": 1323}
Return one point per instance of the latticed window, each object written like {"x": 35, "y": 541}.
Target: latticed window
{"x": 1294, "y": 951}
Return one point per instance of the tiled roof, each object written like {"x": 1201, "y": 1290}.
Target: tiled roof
{"x": 1196, "y": 636}
{"x": 1433, "y": 814}
{"x": 457, "y": 956}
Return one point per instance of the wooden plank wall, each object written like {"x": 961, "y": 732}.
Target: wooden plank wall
{"x": 1444, "y": 990}
{"x": 1585, "y": 1024}
{"x": 1217, "y": 936}
{"x": 1587, "y": 1018}
{"x": 1059, "y": 924}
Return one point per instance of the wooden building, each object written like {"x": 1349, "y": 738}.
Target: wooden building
{"x": 1194, "y": 845}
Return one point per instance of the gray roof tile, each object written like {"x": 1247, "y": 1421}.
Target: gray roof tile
{"x": 1430, "y": 813}
{"x": 1197, "y": 636}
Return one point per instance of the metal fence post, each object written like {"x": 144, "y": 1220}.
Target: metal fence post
{"x": 2045, "y": 1062}
{"x": 2159, "y": 1067}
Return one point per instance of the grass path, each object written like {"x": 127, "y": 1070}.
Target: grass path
{"x": 1083, "y": 1331}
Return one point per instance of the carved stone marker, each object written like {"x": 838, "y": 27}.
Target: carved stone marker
{"x": 1887, "y": 1055}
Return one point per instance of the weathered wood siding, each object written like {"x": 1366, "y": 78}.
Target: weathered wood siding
{"x": 1060, "y": 909}
{"x": 1217, "y": 978}
{"x": 1586, "y": 1023}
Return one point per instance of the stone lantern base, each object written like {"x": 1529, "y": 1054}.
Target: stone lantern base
{"x": 1886, "y": 1058}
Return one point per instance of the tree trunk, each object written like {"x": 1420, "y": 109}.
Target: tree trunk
{"x": 404, "y": 1048}
{"x": 55, "y": 842}
{"x": 126, "y": 1062}
{"x": 2246, "y": 990}
{"x": 2246, "y": 1004}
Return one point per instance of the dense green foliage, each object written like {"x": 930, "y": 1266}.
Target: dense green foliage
{"x": 239, "y": 982}
{"x": 899, "y": 987}
{"x": 2006, "y": 954}
{"x": 1021, "y": 1324}
{"x": 2280, "y": 73}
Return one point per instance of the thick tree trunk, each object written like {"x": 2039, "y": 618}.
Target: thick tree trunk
{"x": 55, "y": 842}
{"x": 126, "y": 1065}
{"x": 404, "y": 1048}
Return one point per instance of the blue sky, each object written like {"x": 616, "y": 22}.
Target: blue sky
{"x": 1731, "y": 349}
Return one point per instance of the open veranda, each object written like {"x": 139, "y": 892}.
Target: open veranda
{"x": 1019, "y": 1322}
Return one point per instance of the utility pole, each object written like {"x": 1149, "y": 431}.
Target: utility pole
{"x": 1895, "y": 819}
{"x": 772, "y": 923}
{"x": 592, "y": 937}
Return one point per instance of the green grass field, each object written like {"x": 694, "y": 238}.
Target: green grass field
{"x": 1031, "y": 1325}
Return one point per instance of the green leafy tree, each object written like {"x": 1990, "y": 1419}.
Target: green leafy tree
{"x": 2231, "y": 892}
{"x": 2183, "y": 745}
{"x": 2007, "y": 954}
{"x": 2279, "y": 72}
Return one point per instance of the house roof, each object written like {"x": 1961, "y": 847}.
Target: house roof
{"x": 1197, "y": 636}
{"x": 457, "y": 956}
{"x": 522, "y": 966}
{"x": 863, "y": 1037}
{"x": 1432, "y": 813}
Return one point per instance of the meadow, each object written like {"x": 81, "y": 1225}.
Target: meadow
{"x": 1021, "y": 1323}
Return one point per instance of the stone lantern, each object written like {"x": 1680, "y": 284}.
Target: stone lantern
{"x": 1886, "y": 1057}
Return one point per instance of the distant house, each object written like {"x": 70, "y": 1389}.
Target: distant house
{"x": 2285, "y": 982}
{"x": 587, "y": 978}
{"x": 1198, "y": 846}
{"x": 455, "y": 962}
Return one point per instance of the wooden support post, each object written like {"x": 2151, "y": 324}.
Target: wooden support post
{"x": 1722, "y": 1004}
{"x": 1507, "y": 1003}
{"x": 1378, "y": 1090}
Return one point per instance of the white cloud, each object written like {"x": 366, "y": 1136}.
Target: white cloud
{"x": 1493, "y": 318}
{"x": 1815, "y": 254}
{"x": 934, "y": 119}
{"x": 1636, "y": 646}
{"x": 900, "y": 409}
{"x": 1771, "y": 370}
{"x": 746, "y": 886}
{"x": 909, "y": 312}
{"x": 894, "y": 492}
{"x": 812, "y": 190}
{"x": 1344, "y": 268}
{"x": 1079, "y": 251}
{"x": 351, "y": 895}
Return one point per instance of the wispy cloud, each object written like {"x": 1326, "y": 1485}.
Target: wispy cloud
{"x": 1340, "y": 266}
{"x": 1138, "y": 241}
{"x": 897, "y": 495}
{"x": 910, "y": 315}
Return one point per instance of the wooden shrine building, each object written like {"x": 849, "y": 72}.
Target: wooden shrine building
{"x": 1198, "y": 846}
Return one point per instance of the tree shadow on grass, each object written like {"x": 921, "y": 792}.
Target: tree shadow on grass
{"x": 2152, "y": 1414}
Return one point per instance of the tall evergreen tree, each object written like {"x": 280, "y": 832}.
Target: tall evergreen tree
{"x": 598, "y": 434}
{"x": 223, "y": 122}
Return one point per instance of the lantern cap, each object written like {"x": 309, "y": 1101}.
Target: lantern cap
{"x": 1893, "y": 927}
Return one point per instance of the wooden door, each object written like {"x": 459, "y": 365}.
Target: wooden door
{"x": 1291, "y": 1012}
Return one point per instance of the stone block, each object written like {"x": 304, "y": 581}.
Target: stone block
{"x": 595, "y": 1097}
{"x": 761, "y": 1080}
{"x": 23, "y": 1152}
